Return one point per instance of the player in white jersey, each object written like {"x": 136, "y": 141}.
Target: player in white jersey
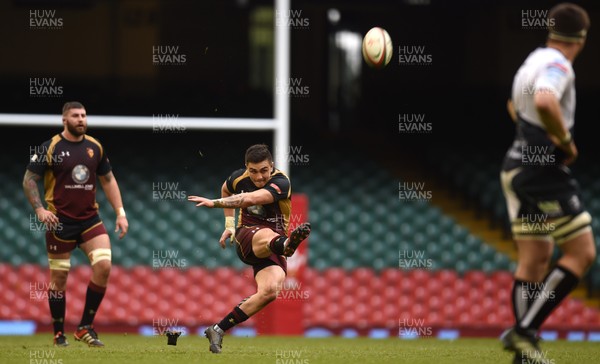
{"x": 543, "y": 198}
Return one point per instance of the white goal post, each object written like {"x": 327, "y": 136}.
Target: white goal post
{"x": 279, "y": 124}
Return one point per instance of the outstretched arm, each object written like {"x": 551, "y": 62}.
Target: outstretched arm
{"x": 30, "y": 186}
{"x": 113, "y": 195}
{"x": 229, "y": 213}
{"x": 258, "y": 197}
{"x": 229, "y": 202}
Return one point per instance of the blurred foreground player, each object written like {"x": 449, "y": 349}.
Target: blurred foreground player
{"x": 543, "y": 199}
{"x": 70, "y": 162}
{"x": 263, "y": 195}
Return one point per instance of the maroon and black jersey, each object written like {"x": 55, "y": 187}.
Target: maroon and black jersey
{"x": 275, "y": 215}
{"x": 70, "y": 171}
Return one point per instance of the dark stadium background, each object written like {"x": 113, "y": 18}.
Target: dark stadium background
{"x": 475, "y": 46}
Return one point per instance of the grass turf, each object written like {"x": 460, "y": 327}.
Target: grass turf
{"x": 128, "y": 349}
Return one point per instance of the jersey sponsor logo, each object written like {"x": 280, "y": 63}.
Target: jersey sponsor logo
{"x": 550, "y": 208}
{"x": 257, "y": 210}
{"x": 80, "y": 174}
{"x": 87, "y": 187}
{"x": 559, "y": 67}
{"x": 90, "y": 152}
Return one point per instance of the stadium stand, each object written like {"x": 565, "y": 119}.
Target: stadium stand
{"x": 374, "y": 259}
{"x": 476, "y": 180}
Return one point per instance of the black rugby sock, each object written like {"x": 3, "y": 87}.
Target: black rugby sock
{"x": 556, "y": 286}
{"x": 523, "y": 294}
{"x": 233, "y": 318}
{"x": 93, "y": 297}
{"x": 58, "y": 305}
{"x": 276, "y": 245}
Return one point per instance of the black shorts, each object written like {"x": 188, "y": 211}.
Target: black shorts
{"x": 243, "y": 239}
{"x": 70, "y": 233}
{"x": 550, "y": 190}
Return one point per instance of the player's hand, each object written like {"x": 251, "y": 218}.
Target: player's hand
{"x": 123, "y": 225}
{"x": 201, "y": 201}
{"x": 227, "y": 234}
{"x": 47, "y": 217}
{"x": 570, "y": 150}
{"x": 572, "y": 153}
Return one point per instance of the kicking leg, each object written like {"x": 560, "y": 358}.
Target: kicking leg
{"x": 269, "y": 281}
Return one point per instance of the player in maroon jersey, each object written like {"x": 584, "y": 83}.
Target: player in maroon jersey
{"x": 263, "y": 195}
{"x": 70, "y": 164}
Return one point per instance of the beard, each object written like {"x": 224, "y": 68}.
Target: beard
{"x": 73, "y": 129}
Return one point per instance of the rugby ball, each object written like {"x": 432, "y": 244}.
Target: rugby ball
{"x": 377, "y": 48}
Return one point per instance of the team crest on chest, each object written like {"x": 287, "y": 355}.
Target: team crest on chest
{"x": 90, "y": 152}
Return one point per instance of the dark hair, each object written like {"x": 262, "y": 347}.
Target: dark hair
{"x": 568, "y": 20}
{"x": 72, "y": 105}
{"x": 258, "y": 153}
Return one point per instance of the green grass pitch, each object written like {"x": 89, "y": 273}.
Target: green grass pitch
{"x": 128, "y": 349}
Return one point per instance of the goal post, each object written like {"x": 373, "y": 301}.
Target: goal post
{"x": 279, "y": 124}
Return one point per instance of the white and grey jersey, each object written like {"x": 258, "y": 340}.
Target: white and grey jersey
{"x": 544, "y": 70}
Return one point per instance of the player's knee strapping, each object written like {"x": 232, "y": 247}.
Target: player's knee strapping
{"x": 100, "y": 254}
{"x": 59, "y": 264}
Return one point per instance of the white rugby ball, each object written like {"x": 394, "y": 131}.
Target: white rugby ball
{"x": 377, "y": 48}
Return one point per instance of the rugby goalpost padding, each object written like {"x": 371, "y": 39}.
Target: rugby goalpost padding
{"x": 285, "y": 315}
